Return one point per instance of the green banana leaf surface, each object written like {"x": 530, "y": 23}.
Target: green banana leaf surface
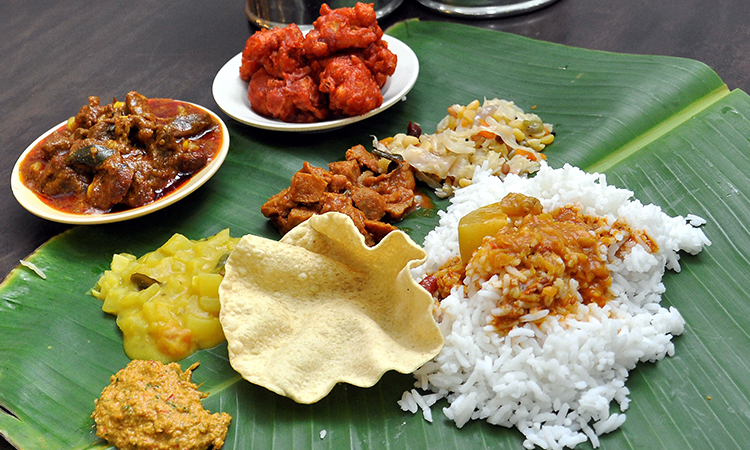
{"x": 666, "y": 128}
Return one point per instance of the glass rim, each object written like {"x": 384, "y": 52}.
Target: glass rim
{"x": 481, "y": 12}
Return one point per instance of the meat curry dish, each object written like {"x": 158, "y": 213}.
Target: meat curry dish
{"x": 370, "y": 190}
{"x": 121, "y": 155}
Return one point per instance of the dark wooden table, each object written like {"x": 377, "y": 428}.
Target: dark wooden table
{"x": 54, "y": 54}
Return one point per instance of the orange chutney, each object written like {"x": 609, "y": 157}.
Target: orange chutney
{"x": 156, "y": 406}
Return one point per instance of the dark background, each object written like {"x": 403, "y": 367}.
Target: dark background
{"x": 54, "y": 54}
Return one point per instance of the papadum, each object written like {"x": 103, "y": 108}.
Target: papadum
{"x": 320, "y": 307}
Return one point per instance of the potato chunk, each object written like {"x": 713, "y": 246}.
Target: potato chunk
{"x": 489, "y": 219}
{"x": 475, "y": 226}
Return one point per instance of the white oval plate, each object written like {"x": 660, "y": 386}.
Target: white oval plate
{"x": 230, "y": 93}
{"x": 29, "y": 200}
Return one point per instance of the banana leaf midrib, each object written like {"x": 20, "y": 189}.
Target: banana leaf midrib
{"x": 616, "y": 156}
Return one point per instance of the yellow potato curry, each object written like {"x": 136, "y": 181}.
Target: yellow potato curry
{"x": 167, "y": 301}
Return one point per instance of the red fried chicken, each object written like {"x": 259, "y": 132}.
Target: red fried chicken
{"x": 350, "y": 86}
{"x": 342, "y": 28}
{"x": 380, "y": 61}
{"x": 279, "y": 51}
{"x": 289, "y": 99}
{"x": 337, "y": 69}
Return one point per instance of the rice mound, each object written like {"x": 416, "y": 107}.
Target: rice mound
{"x": 554, "y": 381}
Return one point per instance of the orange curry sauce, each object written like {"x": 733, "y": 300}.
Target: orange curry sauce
{"x": 544, "y": 261}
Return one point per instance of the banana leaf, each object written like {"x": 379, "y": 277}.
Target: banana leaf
{"x": 666, "y": 128}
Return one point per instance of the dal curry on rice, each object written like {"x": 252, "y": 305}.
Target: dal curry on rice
{"x": 553, "y": 260}
{"x": 320, "y": 307}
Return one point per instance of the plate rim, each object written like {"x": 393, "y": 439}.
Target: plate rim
{"x": 30, "y": 201}
{"x": 407, "y": 69}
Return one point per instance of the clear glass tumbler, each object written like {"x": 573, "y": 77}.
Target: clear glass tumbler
{"x": 279, "y": 13}
{"x": 481, "y": 9}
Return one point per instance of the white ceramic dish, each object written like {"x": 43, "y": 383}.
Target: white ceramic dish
{"x": 29, "y": 200}
{"x": 230, "y": 93}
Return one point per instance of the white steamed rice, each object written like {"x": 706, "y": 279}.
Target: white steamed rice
{"x": 553, "y": 382}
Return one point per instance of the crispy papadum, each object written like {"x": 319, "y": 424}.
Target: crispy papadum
{"x": 320, "y": 307}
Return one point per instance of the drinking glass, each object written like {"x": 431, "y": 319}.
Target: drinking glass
{"x": 275, "y": 13}
{"x": 484, "y": 8}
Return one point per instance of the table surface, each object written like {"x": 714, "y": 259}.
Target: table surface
{"x": 55, "y": 54}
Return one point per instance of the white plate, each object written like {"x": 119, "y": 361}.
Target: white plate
{"x": 230, "y": 93}
{"x": 29, "y": 200}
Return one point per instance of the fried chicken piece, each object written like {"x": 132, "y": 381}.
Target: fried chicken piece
{"x": 281, "y": 84}
{"x": 279, "y": 51}
{"x": 257, "y": 92}
{"x": 377, "y": 57}
{"x": 342, "y": 28}
{"x": 380, "y": 60}
{"x": 350, "y": 86}
{"x": 289, "y": 99}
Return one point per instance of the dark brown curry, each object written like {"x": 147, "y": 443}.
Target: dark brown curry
{"x": 121, "y": 155}
{"x": 372, "y": 191}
